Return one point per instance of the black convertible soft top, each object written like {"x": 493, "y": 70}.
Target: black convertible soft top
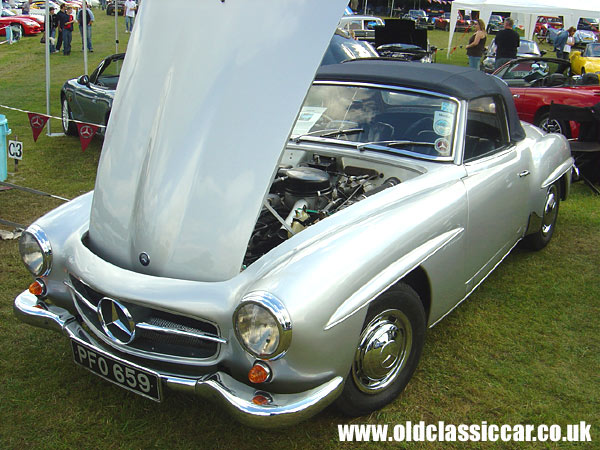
{"x": 456, "y": 81}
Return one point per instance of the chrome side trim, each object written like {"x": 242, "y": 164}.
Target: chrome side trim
{"x": 390, "y": 275}
{"x": 558, "y": 172}
{"x": 177, "y": 332}
{"x": 476, "y": 286}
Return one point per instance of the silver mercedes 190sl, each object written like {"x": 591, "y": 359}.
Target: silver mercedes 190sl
{"x": 279, "y": 242}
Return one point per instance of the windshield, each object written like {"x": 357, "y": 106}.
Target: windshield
{"x": 410, "y": 122}
{"x": 592, "y": 50}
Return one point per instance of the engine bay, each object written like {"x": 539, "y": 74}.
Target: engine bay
{"x": 313, "y": 188}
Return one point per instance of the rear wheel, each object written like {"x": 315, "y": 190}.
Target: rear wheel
{"x": 551, "y": 125}
{"x": 68, "y": 125}
{"x": 388, "y": 352}
{"x": 540, "y": 238}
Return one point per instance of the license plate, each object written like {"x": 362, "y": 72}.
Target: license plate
{"x": 124, "y": 374}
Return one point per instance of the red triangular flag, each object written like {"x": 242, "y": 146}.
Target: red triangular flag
{"x": 37, "y": 122}
{"x": 86, "y": 133}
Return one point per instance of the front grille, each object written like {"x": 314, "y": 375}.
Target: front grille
{"x": 159, "y": 335}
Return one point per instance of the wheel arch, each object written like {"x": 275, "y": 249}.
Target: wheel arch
{"x": 419, "y": 281}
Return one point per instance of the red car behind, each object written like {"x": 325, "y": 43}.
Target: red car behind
{"x": 26, "y": 25}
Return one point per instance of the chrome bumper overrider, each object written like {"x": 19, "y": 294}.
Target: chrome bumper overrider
{"x": 236, "y": 397}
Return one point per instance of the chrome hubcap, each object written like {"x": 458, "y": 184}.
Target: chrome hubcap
{"x": 550, "y": 210}
{"x": 383, "y": 351}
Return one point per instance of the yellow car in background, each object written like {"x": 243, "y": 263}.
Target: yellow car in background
{"x": 586, "y": 62}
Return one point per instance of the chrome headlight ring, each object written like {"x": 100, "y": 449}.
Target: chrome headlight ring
{"x": 261, "y": 303}
{"x": 36, "y": 251}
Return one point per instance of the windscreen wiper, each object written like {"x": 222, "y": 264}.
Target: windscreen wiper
{"x": 331, "y": 132}
{"x": 393, "y": 144}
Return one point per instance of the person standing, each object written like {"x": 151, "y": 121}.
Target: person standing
{"x": 476, "y": 45}
{"x": 53, "y": 27}
{"x": 563, "y": 42}
{"x": 89, "y": 18}
{"x": 68, "y": 31}
{"x": 25, "y": 8}
{"x": 103, "y": 4}
{"x": 130, "y": 7}
{"x": 507, "y": 43}
{"x": 61, "y": 19}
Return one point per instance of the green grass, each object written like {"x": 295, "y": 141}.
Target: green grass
{"x": 523, "y": 349}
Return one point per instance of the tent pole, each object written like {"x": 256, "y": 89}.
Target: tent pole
{"x": 85, "y": 36}
{"x": 47, "y": 52}
{"x": 116, "y": 10}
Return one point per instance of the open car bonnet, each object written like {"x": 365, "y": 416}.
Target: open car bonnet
{"x": 207, "y": 97}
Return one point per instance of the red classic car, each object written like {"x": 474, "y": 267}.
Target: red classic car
{"x": 25, "y": 25}
{"x": 537, "y": 82}
{"x": 443, "y": 23}
{"x": 545, "y": 22}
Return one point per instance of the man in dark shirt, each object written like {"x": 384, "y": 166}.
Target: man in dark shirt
{"x": 61, "y": 19}
{"x": 507, "y": 43}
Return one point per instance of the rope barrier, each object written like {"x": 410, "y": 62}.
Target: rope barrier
{"x": 50, "y": 117}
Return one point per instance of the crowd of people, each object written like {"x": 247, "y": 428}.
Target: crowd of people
{"x": 62, "y": 23}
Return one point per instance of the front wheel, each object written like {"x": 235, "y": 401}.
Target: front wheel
{"x": 540, "y": 238}
{"x": 388, "y": 352}
{"x": 69, "y": 127}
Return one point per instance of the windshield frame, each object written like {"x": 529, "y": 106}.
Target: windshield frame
{"x": 455, "y": 155}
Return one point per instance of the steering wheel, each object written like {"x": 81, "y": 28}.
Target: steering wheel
{"x": 423, "y": 124}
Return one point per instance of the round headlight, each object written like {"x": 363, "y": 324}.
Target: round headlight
{"x": 36, "y": 251}
{"x": 262, "y": 325}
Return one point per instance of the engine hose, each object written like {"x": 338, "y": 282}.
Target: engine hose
{"x": 390, "y": 182}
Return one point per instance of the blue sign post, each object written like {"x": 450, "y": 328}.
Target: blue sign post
{"x": 4, "y": 131}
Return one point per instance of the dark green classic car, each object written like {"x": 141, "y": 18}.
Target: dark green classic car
{"x": 89, "y": 99}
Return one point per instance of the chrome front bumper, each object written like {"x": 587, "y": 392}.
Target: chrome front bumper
{"x": 236, "y": 397}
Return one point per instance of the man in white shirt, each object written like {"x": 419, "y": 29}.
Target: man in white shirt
{"x": 130, "y": 7}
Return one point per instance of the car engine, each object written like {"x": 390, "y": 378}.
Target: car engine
{"x": 305, "y": 194}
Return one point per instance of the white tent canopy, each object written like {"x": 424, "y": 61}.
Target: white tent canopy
{"x": 525, "y": 13}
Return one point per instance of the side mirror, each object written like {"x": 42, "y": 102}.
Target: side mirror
{"x": 543, "y": 52}
{"x": 84, "y": 79}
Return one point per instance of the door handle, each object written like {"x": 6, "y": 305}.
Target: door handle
{"x": 524, "y": 173}
{"x": 516, "y": 95}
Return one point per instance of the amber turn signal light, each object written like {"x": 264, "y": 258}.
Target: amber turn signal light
{"x": 259, "y": 373}
{"x": 260, "y": 400}
{"x": 37, "y": 288}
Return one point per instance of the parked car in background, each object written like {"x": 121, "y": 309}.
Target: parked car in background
{"x": 587, "y": 61}
{"x": 582, "y": 37}
{"x": 343, "y": 47}
{"x": 589, "y": 24}
{"x": 110, "y": 7}
{"x": 495, "y": 24}
{"x": 526, "y": 48}
{"x": 90, "y": 99}
{"x": 545, "y": 23}
{"x": 418, "y": 16}
{"x": 21, "y": 25}
{"x": 462, "y": 24}
{"x": 537, "y": 82}
{"x": 361, "y": 27}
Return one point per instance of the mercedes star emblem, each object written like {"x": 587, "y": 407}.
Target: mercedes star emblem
{"x": 86, "y": 132}
{"x": 116, "y": 321}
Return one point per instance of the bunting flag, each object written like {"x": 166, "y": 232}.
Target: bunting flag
{"x": 37, "y": 122}
{"x": 86, "y": 133}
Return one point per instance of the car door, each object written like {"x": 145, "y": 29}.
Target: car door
{"x": 496, "y": 183}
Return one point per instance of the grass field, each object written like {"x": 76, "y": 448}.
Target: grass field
{"x": 523, "y": 349}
